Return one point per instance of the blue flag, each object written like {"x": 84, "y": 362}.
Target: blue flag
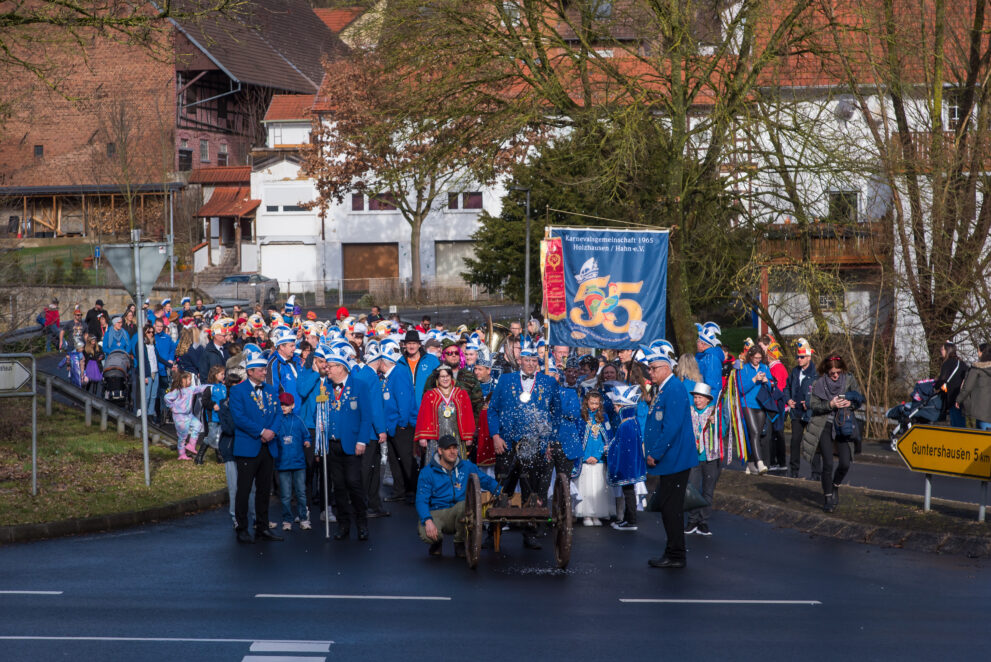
{"x": 615, "y": 287}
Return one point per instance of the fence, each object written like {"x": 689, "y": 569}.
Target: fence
{"x": 385, "y": 292}
{"x": 68, "y": 265}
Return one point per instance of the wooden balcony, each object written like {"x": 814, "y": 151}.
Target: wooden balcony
{"x": 864, "y": 244}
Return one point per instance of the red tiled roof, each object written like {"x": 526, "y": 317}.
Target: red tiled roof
{"x": 222, "y": 175}
{"x": 339, "y": 18}
{"x": 229, "y": 201}
{"x": 289, "y": 107}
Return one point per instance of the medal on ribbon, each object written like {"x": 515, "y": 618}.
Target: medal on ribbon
{"x": 448, "y": 409}
{"x": 526, "y": 395}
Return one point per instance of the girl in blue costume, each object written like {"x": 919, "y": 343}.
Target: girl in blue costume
{"x": 627, "y": 465}
{"x": 596, "y": 496}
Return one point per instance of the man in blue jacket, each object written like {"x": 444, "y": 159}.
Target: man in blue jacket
{"x": 419, "y": 364}
{"x": 256, "y": 411}
{"x": 371, "y": 461}
{"x": 440, "y": 496}
{"x": 669, "y": 443}
{"x": 400, "y": 420}
{"x": 284, "y": 366}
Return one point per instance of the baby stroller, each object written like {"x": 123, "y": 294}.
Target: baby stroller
{"x": 923, "y": 406}
{"x": 116, "y": 379}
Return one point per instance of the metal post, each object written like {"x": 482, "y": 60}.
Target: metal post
{"x": 526, "y": 292}
{"x": 984, "y": 501}
{"x": 340, "y": 292}
{"x": 171, "y": 244}
{"x": 103, "y": 418}
{"x": 48, "y": 395}
{"x": 34, "y": 425}
{"x": 135, "y": 238}
{"x": 927, "y": 503}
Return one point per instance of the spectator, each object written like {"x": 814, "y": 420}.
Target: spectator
{"x": 218, "y": 393}
{"x": 130, "y": 324}
{"x": 796, "y": 392}
{"x": 74, "y": 364}
{"x": 73, "y": 331}
{"x": 951, "y": 375}
{"x": 778, "y": 459}
{"x": 753, "y": 375}
{"x": 424, "y": 324}
{"x": 52, "y": 327}
{"x": 218, "y": 351}
{"x": 225, "y": 448}
{"x": 705, "y": 424}
{"x": 975, "y": 394}
{"x": 151, "y": 372}
{"x": 116, "y": 339}
{"x": 187, "y": 423}
{"x": 188, "y": 353}
{"x": 94, "y": 366}
{"x": 93, "y": 319}
{"x": 375, "y": 316}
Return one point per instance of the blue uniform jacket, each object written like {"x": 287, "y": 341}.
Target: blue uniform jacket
{"x": 397, "y": 400}
{"x": 514, "y": 420}
{"x": 373, "y": 385}
{"x": 596, "y": 444}
{"x": 438, "y": 488}
{"x": 308, "y": 388}
{"x": 283, "y": 374}
{"x": 711, "y": 366}
{"x": 572, "y": 423}
{"x": 164, "y": 351}
{"x": 290, "y": 436}
{"x": 254, "y": 412}
{"x": 748, "y": 387}
{"x": 427, "y": 364}
{"x": 668, "y": 434}
{"x": 351, "y": 422}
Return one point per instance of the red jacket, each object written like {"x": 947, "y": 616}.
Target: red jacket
{"x": 427, "y": 425}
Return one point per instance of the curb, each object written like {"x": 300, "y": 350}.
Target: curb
{"x": 101, "y": 523}
{"x": 831, "y": 527}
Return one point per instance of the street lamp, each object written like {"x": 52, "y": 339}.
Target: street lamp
{"x": 526, "y": 281}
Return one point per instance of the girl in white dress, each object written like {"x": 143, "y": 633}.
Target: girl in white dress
{"x": 597, "y": 500}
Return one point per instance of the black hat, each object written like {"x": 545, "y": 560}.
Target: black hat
{"x": 99, "y": 302}
{"x": 447, "y": 441}
{"x": 412, "y": 336}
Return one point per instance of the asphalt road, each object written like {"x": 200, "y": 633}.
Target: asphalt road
{"x": 185, "y": 590}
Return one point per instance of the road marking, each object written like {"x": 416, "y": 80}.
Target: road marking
{"x": 290, "y": 647}
{"x": 290, "y": 596}
{"x": 179, "y": 640}
{"x": 30, "y": 592}
{"x": 673, "y": 601}
{"x": 282, "y": 658}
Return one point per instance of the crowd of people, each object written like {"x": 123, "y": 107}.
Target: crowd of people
{"x": 278, "y": 393}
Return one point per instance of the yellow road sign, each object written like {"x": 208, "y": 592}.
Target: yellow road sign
{"x": 951, "y": 451}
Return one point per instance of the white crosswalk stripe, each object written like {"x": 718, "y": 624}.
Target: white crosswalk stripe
{"x": 282, "y": 647}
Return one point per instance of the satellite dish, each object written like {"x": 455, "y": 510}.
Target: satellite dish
{"x": 844, "y": 109}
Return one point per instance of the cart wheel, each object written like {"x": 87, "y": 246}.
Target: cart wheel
{"x": 473, "y": 521}
{"x": 562, "y": 520}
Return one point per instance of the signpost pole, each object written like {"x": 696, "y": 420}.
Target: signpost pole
{"x": 984, "y": 501}
{"x": 927, "y": 502}
{"x": 142, "y": 388}
{"x": 34, "y": 428}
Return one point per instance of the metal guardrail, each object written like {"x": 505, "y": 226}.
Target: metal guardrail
{"x": 20, "y": 335}
{"x": 92, "y": 404}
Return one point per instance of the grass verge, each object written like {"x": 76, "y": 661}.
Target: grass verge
{"x": 859, "y": 505}
{"x": 83, "y": 472}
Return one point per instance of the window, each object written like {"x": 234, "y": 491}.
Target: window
{"x": 276, "y": 135}
{"x": 357, "y": 202}
{"x": 843, "y": 206}
{"x": 831, "y": 303}
{"x": 222, "y": 108}
{"x": 204, "y": 151}
{"x": 222, "y": 154}
{"x": 39, "y": 151}
{"x": 293, "y": 208}
{"x": 271, "y": 207}
{"x": 472, "y": 200}
{"x": 383, "y": 202}
{"x": 954, "y": 115}
{"x": 452, "y": 200}
{"x": 185, "y": 160}
{"x": 111, "y": 150}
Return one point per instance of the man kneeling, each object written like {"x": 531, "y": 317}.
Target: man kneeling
{"x": 440, "y": 496}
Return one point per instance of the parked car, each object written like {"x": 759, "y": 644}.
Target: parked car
{"x": 244, "y": 289}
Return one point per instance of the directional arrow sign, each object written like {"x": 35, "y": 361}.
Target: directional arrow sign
{"x": 13, "y": 375}
{"x": 951, "y": 451}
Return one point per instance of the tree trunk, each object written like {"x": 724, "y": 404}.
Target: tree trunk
{"x": 680, "y": 306}
{"x": 414, "y": 249}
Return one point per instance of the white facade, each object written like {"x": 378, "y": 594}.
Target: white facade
{"x": 297, "y": 247}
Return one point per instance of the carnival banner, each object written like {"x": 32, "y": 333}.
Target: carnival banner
{"x": 615, "y": 287}
{"x": 552, "y": 267}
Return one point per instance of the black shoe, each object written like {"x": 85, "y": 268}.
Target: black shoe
{"x": 379, "y": 513}
{"x": 343, "y": 532}
{"x": 459, "y": 550}
{"x": 266, "y": 534}
{"x": 395, "y": 498}
{"x": 435, "y": 548}
{"x": 200, "y": 452}
{"x": 829, "y": 505}
{"x": 836, "y": 496}
{"x": 703, "y": 530}
{"x": 362, "y": 533}
{"x": 244, "y": 537}
{"x": 665, "y": 562}
{"x": 530, "y": 542}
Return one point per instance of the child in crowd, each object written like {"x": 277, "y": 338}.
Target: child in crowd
{"x": 187, "y": 423}
{"x": 707, "y": 441}
{"x": 218, "y": 393}
{"x": 292, "y": 437}
{"x": 625, "y": 459}
{"x": 596, "y": 496}
{"x": 74, "y": 363}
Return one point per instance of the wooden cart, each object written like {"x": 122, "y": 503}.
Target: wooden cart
{"x": 556, "y": 514}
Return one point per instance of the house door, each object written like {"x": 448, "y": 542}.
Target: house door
{"x": 361, "y": 262}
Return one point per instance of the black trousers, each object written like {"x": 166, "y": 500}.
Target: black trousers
{"x": 512, "y": 468}
{"x": 778, "y": 456}
{"x": 559, "y": 463}
{"x": 371, "y": 475}
{"x": 755, "y": 426}
{"x": 256, "y": 470}
{"x": 310, "y": 467}
{"x": 795, "y": 450}
{"x": 827, "y": 444}
{"x": 401, "y": 462}
{"x": 345, "y": 476}
{"x": 671, "y": 496}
